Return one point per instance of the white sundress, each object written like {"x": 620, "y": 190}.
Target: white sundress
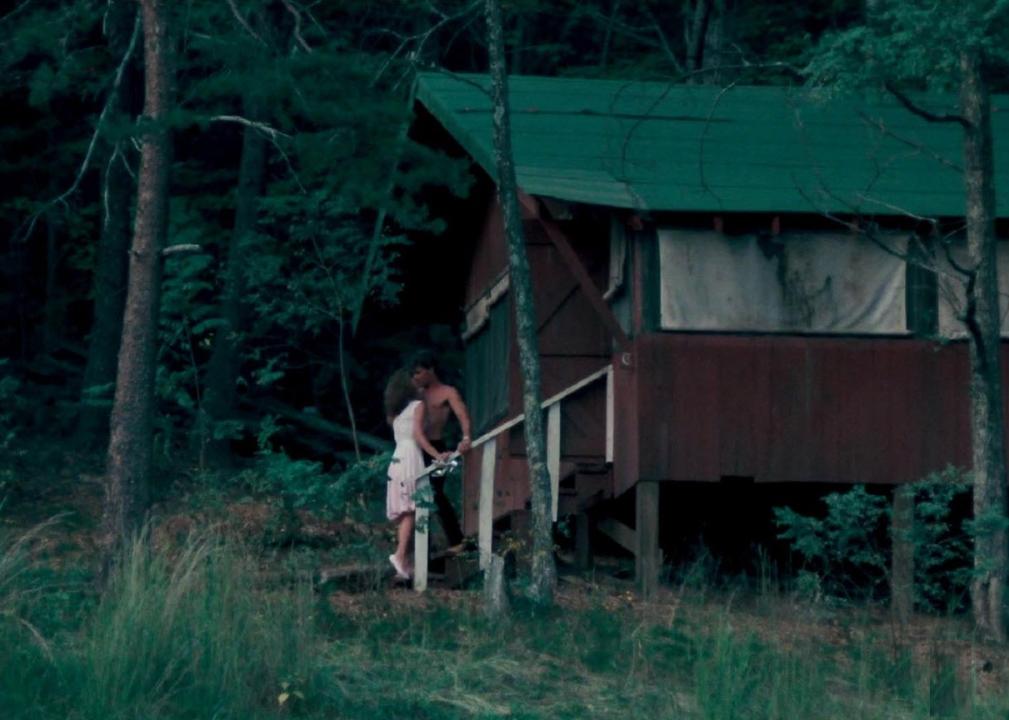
{"x": 407, "y": 464}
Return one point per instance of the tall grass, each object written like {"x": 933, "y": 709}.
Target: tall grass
{"x": 26, "y": 656}
{"x": 187, "y": 633}
{"x": 194, "y": 632}
{"x": 191, "y": 634}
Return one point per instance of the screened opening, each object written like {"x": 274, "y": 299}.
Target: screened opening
{"x": 795, "y": 282}
{"x": 486, "y": 383}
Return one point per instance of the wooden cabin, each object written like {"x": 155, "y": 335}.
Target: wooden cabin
{"x": 722, "y": 291}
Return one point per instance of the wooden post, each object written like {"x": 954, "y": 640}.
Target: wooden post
{"x": 902, "y": 555}
{"x": 554, "y": 455}
{"x": 610, "y": 414}
{"x": 646, "y": 560}
{"x": 583, "y": 549}
{"x": 485, "y": 513}
{"x": 421, "y": 534}
{"x": 495, "y": 589}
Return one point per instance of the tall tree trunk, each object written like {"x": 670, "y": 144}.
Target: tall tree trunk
{"x": 544, "y": 571}
{"x": 991, "y": 553}
{"x": 224, "y": 366}
{"x": 129, "y": 459}
{"x": 697, "y": 33}
{"x": 111, "y": 264}
{"x": 604, "y": 53}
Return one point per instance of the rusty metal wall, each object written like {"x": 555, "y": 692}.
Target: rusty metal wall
{"x": 799, "y": 409}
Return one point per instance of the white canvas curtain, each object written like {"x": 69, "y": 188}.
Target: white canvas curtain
{"x": 813, "y": 282}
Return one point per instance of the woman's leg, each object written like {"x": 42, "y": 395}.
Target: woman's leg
{"x": 404, "y": 534}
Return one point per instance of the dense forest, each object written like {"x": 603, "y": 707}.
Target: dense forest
{"x": 300, "y": 206}
{"x": 227, "y": 201}
{"x": 300, "y": 214}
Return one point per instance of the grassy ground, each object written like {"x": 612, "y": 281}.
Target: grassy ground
{"x": 204, "y": 625}
{"x": 194, "y": 632}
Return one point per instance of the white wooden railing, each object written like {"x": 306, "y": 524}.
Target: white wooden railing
{"x": 487, "y": 446}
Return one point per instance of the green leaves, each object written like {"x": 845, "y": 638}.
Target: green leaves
{"x": 846, "y": 547}
{"x": 913, "y": 44}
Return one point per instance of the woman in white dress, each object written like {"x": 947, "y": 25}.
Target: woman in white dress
{"x": 401, "y": 402}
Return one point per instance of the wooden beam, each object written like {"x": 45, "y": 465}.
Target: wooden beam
{"x": 610, "y": 414}
{"x": 553, "y": 399}
{"x": 589, "y": 288}
{"x": 485, "y": 511}
{"x": 554, "y": 454}
{"x": 646, "y": 560}
{"x": 619, "y": 533}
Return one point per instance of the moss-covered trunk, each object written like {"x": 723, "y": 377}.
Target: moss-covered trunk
{"x": 544, "y": 572}
{"x": 991, "y": 554}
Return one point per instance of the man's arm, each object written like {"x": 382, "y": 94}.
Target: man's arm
{"x": 462, "y": 415}
{"x": 421, "y": 437}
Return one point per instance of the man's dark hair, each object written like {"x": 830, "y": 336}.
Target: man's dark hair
{"x": 423, "y": 359}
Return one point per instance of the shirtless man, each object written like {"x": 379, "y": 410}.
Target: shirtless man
{"x": 440, "y": 401}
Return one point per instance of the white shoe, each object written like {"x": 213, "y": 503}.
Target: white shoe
{"x": 401, "y": 572}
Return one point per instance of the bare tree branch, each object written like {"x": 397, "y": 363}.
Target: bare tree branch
{"x": 273, "y": 134}
{"x": 15, "y": 11}
{"x": 270, "y": 132}
{"x": 26, "y": 228}
{"x": 413, "y": 45}
{"x": 921, "y": 112}
{"x": 296, "y": 13}
{"x": 881, "y": 126}
{"x": 245, "y": 23}
{"x": 664, "y": 42}
{"x": 704, "y": 137}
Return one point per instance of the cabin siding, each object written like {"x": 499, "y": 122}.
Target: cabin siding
{"x": 799, "y": 409}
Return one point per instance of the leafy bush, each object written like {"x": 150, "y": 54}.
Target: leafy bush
{"x": 942, "y": 543}
{"x": 846, "y": 553}
{"x": 843, "y": 552}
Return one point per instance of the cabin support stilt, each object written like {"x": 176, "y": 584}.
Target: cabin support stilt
{"x": 902, "y": 556}
{"x": 647, "y": 560}
{"x": 554, "y": 456}
{"x": 583, "y": 548}
{"x": 485, "y": 527}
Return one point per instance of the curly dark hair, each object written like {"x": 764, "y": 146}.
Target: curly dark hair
{"x": 399, "y": 391}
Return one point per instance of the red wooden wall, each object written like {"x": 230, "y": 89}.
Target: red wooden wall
{"x": 798, "y": 409}
{"x": 572, "y": 344}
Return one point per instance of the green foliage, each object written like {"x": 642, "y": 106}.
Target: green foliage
{"x": 846, "y": 552}
{"x": 10, "y": 403}
{"x": 942, "y": 545}
{"x": 843, "y": 550}
{"x": 914, "y": 44}
{"x": 356, "y": 492}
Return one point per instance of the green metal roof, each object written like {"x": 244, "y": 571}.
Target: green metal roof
{"x": 656, "y": 146}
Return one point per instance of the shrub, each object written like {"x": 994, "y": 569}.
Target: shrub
{"x": 843, "y": 552}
